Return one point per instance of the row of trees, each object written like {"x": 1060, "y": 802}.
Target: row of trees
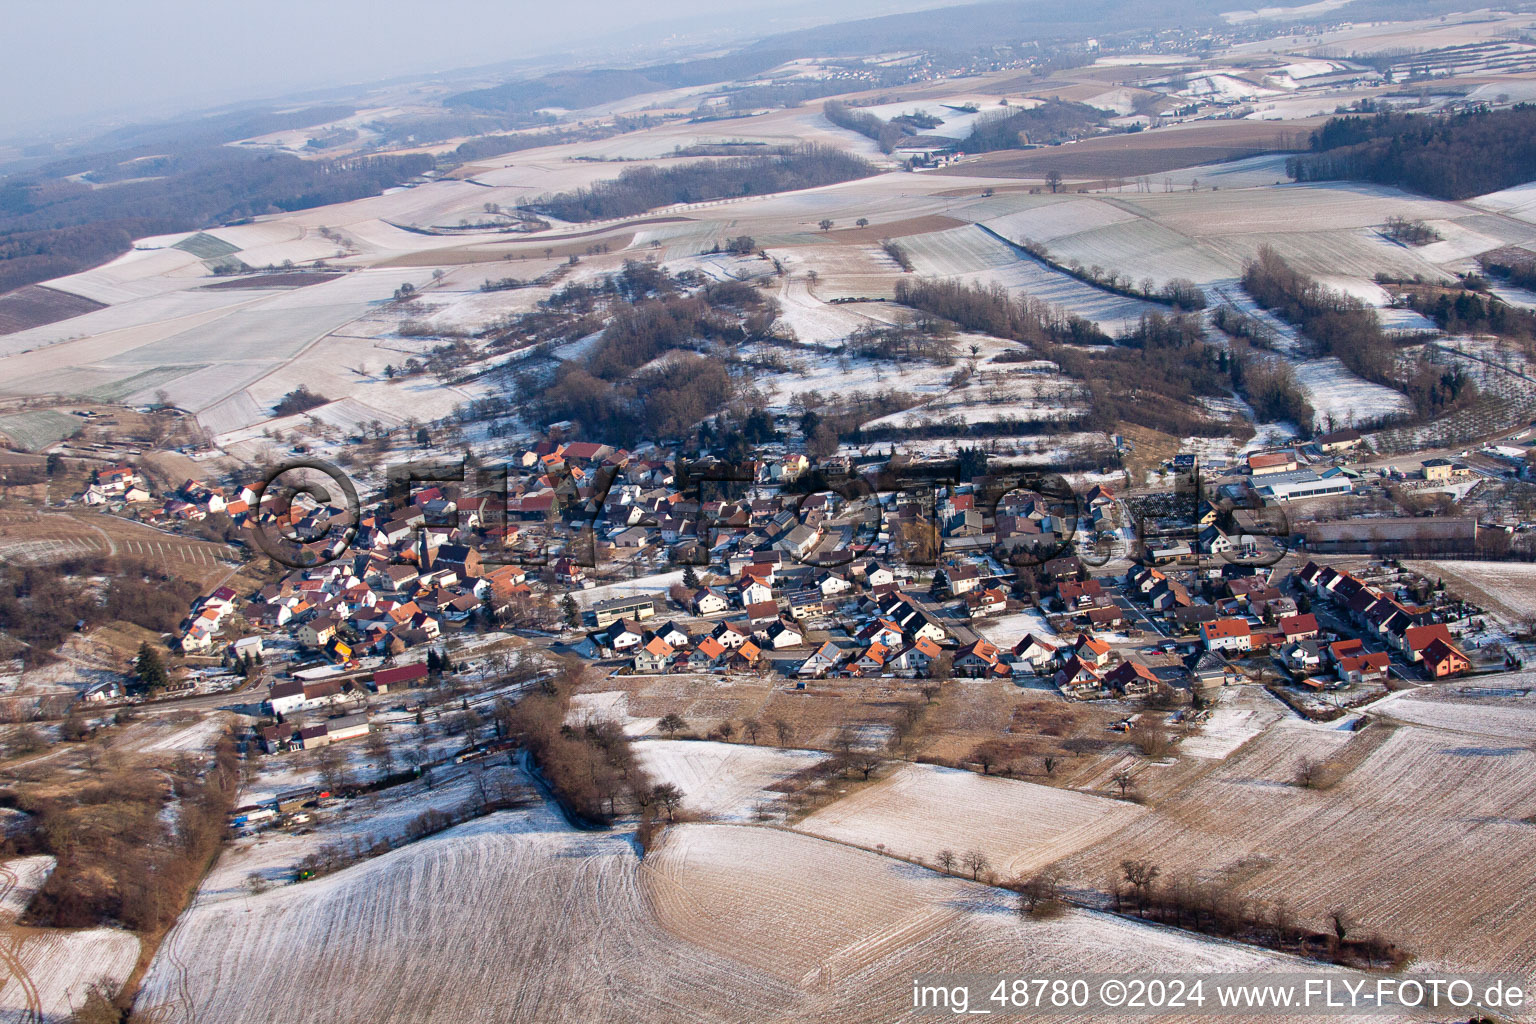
{"x": 1179, "y": 291}
{"x": 991, "y": 310}
{"x": 1343, "y": 326}
{"x": 639, "y": 189}
{"x": 591, "y": 768}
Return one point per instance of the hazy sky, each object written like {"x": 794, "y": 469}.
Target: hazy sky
{"x": 65, "y": 61}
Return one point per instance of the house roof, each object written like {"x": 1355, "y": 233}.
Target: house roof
{"x": 1094, "y": 644}
{"x": 1290, "y": 625}
{"x": 1223, "y": 629}
{"x": 1440, "y": 650}
{"x": 1419, "y": 638}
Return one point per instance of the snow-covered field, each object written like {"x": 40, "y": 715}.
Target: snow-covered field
{"x": 1509, "y": 586}
{"x": 45, "y": 973}
{"x": 723, "y": 781}
{"x": 657, "y": 584}
{"x": 1335, "y": 391}
{"x": 1509, "y": 718}
{"x": 1221, "y": 734}
{"x": 1416, "y": 811}
{"x": 19, "y": 881}
{"x": 920, "y": 809}
{"x": 1007, "y": 630}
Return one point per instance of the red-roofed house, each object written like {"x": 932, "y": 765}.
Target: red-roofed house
{"x": 1443, "y": 659}
{"x": 1226, "y": 635}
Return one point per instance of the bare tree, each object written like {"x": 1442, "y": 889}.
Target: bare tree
{"x": 1049, "y": 763}
{"x": 671, "y": 724}
{"x": 1342, "y": 922}
{"x": 976, "y": 862}
{"x": 946, "y": 860}
{"x": 1040, "y": 894}
{"x": 988, "y": 754}
{"x": 381, "y": 751}
{"x": 1151, "y": 738}
{"x": 784, "y": 731}
{"x": 1125, "y": 780}
{"x": 669, "y": 796}
{"x": 750, "y": 727}
{"x": 1140, "y": 874}
{"x": 866, "y": 763}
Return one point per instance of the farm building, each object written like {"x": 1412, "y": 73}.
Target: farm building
{"x": 606, "y": 613}
{"x": 389, "y": 679}
{"x": 1302, "y": 483}
{"x": 1430, "y": 535}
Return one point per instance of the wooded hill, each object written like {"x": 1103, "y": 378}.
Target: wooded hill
{"x": 1454, "y": 157}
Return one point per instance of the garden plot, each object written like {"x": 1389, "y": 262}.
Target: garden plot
{"x": 472, "y": 311}
{"x": 1340, "y": 396}
{"x": 1221, "y": 734}
{"x": 431, "y": 933}
{"x": 1415, "y": 813}
{"x": 1505, "y": 588}
{"x": 275, "y": 855}
{"x": 843, "y": 270}
{"x": 657, "y": 584}
{"x": 996, "y": 394}
{"x": 815, "y": 322}
{"x": 1007, "y": 630}
{"x": 831, "y": 375}
{"x": 920, "y": 809}
{"x": 723, "y": 781}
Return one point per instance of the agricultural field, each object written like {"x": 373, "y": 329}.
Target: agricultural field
{"x": 45, "y": 972}
{"x": 735, "y": 922}
{"x": 1508, "y": 589}
{"x": 920, "y": 809}
{"x": 1340, "y": 396}
{"x": 1503, "y": 711}
{"x": 536, "y": 887}
{"x": 1414, "y": 809}
{"x": 34, "y": 306}
{"x": 723, "y": 781}
{"x": 39, "y": 428}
